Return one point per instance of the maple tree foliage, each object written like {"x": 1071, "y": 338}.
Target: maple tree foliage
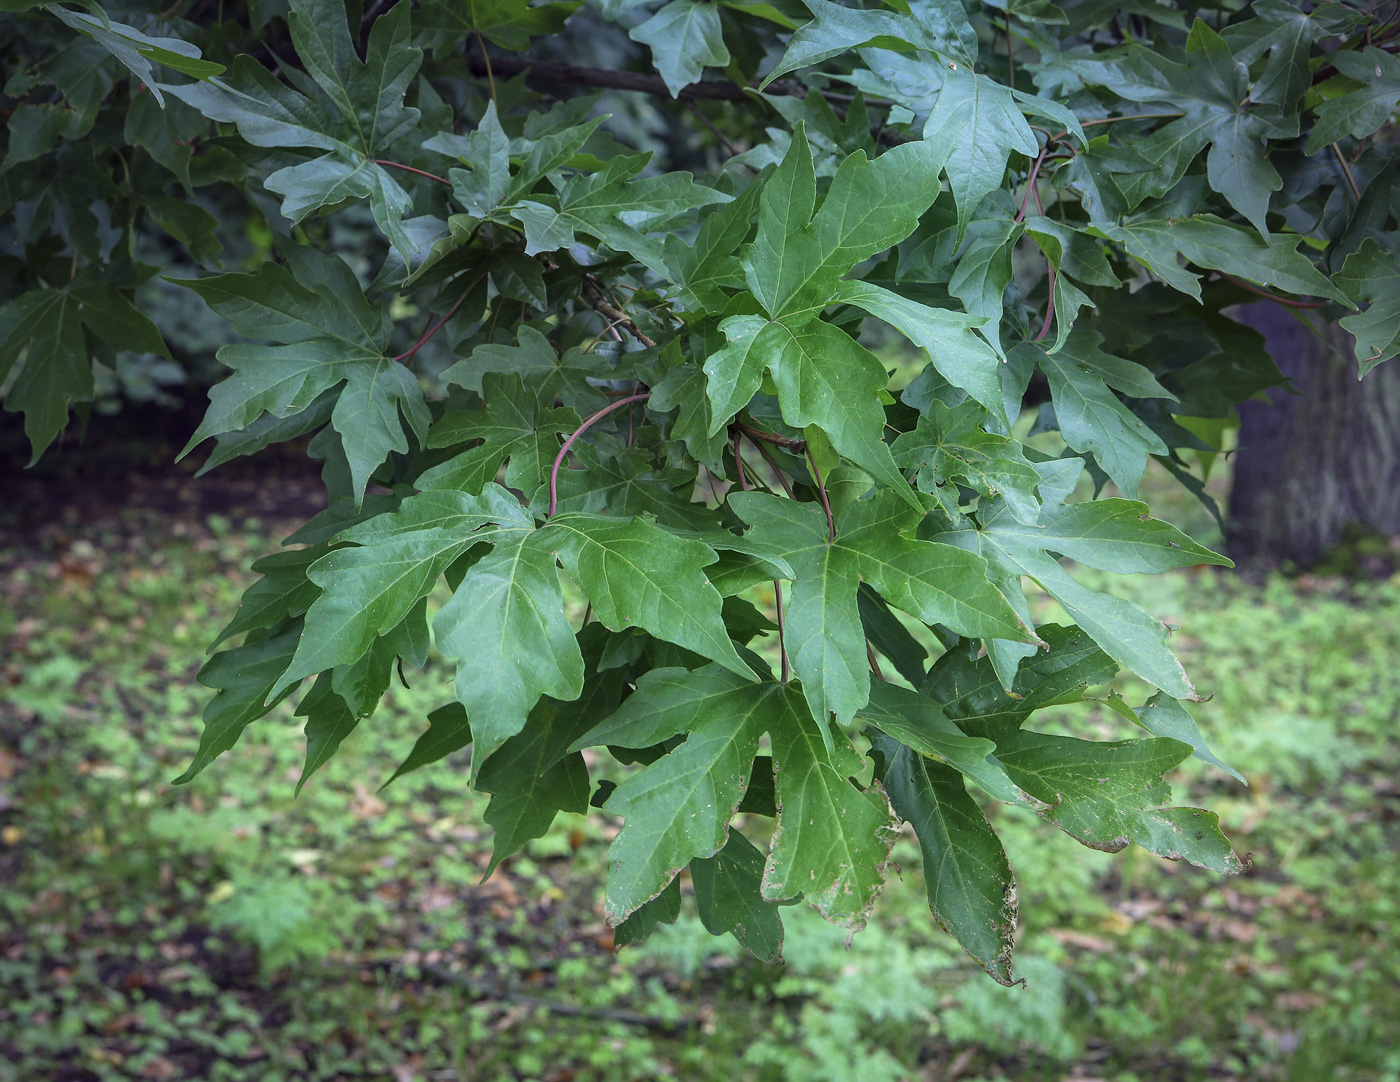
{"x": 657, "y": 383}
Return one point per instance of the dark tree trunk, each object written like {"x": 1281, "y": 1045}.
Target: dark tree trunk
{"x": 1309, "y": 465}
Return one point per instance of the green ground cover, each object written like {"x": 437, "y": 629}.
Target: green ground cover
{"x": 229, "y": 930}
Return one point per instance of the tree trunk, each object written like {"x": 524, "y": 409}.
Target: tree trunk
{"x": 1309, "y": 465}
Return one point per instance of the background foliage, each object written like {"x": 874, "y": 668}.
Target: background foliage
{"x": 544, "y": 353}
{"x": 228, "y": 930}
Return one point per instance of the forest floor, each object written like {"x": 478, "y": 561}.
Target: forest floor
{"x": 225, "y": 930}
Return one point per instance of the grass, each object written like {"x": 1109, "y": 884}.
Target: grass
{"x": 226, "y": 930}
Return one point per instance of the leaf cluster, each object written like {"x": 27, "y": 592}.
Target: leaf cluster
{"x": 562, "y": 370}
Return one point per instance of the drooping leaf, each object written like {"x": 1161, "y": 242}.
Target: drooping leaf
{"x": 978, "y": 120}
{"x": 505, "y": 624}
{"x": 949, "y": 444}
{"x": 679, "y": 807}
{"x": 243, "y": 678}
{"x": 825, "y": 640}
{"x": 962, "y": 356}
{"x": 728, "y": 897}
{"x": 684, "y": 37}
{"x": 970, "y": 888}
{"x": 832, "y": 839}
{"x": 394, "y": 561}
{"x": 638, "y": 575}
{"x": 1210, "y": 242}
{"x": 1107, "y": 794}
{"x": 1164, "y": 716}
{"x": 448, "y": 731}
{"x": 1372, "y": 274}
{"x": 1114, "y": 535}
{"x": 823, "y": 378}
{"x": 326, "y": 335}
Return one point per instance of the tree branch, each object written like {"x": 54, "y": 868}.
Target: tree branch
{"x": 579, "y": 431}
{"x": 707, "y": 89}
{"x": 593, "y": 294}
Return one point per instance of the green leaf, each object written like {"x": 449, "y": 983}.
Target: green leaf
{"x": 973, "y": 696}
{"x": 366, "y": 113}
{"x": 506, "y": 624}
{"x": 1219, "y": 109}
{"x": 531, "y": 779}
{"x": 507, "y": 23}
{"x": 1372, "y": 274}
{"x": 832, "y": 839}
{"x": 620, "y": 209}
{"x": 978, "y": 122}
{"x": 728, "y": 897}
{"x": 684, "y": 37}
{"x": 663, "y": 909}
{"x": 825, "y": 640}
{"x": 243, "y": 677}
{"x": 448, "y": 731}
{"x": 327, "y": 335}
{"x": 823, "y": 377}
{"x": 1164, "y": 716}
{"x": 797, "y": 258}
{"x": 1362, "y": 111}
{"x": 1107, "y": 794}
{"x": 959, "y": 354}
{"x": 638, "y": 575}
{"x": 679, "y": 807}
{"x": 984, "y": 269}
{"x": 281, "y": 593}
{"x": 546, "y": 371}
{"x": 518, "y": 426}
{"x": 1210, "y": 242}
{"x": 396, "y": 560}
{"x": 136, "y": 51}
{"x": 919, "y": 723}
{"x": 54, "y": 330}
{"x": 328, "y": 722}
{"x": 1113, "y": 535}
{"x": 46, "y": 328}
{"x": 1285, "y": 32}
{"x": 837, "y": 29}
{"x": 1092, "y": 418}
{"x": 483, "y": 188}
{"x": 970, "y": 887}
{"x": 704, "y": 267}
{"x": 949, "y": 443}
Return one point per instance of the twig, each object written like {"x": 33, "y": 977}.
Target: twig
{"x": 777, "y": 586}
{"x": 778, "y": 472}
{"x": 782, "y": 630}
{"x": 579, "y": 431}
{"x": 1341, "y": 160}
{"x": 821, "y": 491}
{"x": 728, "y": 143}
{"x": 705, "y": 89}
{"x": 797, "y": 447}
{"x": 874, "y": 662}
{"x": 410, "y": 169}
{"x": 407, "y": 356}
{"x": 593, "y": 294}
{"x": 1049, "y": 303}
{"x": 1030, "y": 181}
{"x": 486, "y": 59}
{"x": 1272, "y": 296}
